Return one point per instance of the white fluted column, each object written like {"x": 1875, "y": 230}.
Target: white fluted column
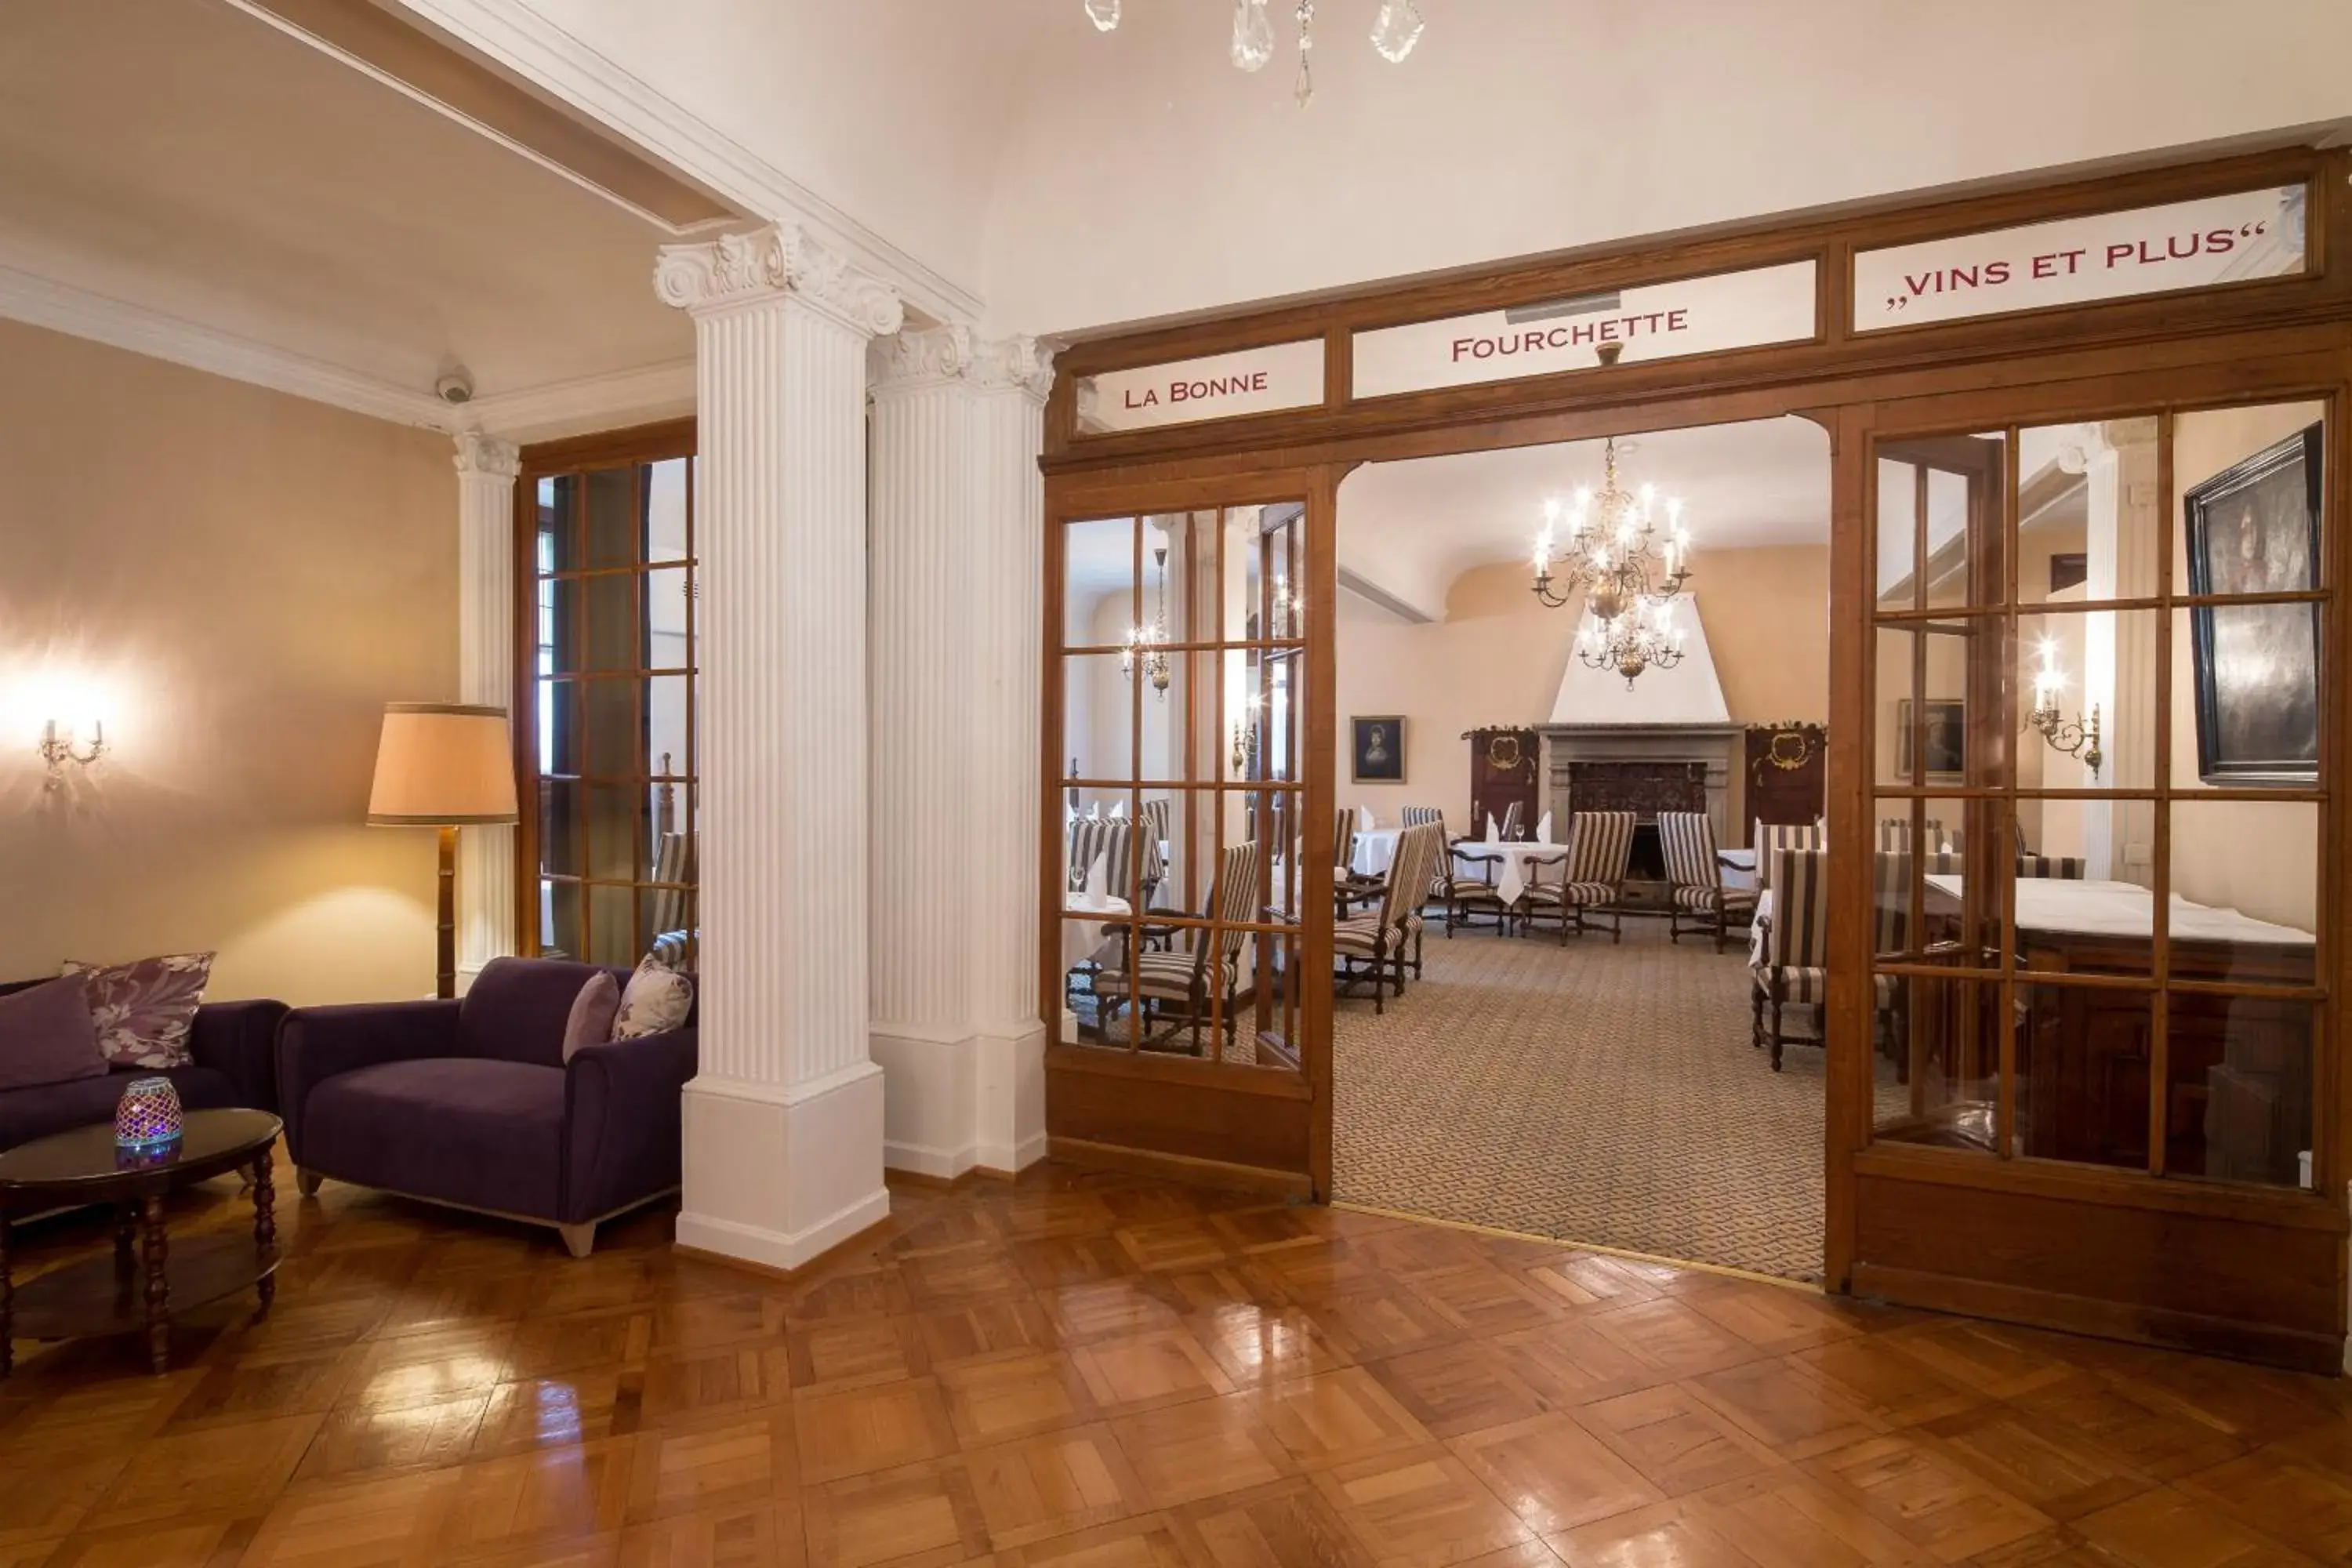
{"x": 957, "y": 422}
{"x": 783, "y": 1121}
{"x": 486, "y": 602}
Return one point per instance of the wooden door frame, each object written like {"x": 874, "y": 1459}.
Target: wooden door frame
{"x": 2233, "y": 343}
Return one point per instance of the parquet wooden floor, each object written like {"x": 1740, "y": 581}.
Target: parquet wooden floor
{"x": 1085, "y": 1371}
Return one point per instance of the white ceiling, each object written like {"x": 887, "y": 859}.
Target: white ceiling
{"x": 187, "y": 160}
{"x": 1412, "y": 527}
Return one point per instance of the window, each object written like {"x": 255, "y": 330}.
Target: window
{"x": 609, "y": 693}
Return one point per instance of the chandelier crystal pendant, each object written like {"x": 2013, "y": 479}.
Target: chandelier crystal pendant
{"x": 1396, "y": 30}
{"x": 1628, "y": 574}
{"x": 1103, "y": 14}
{"x": 1147, "y": 646}
{"x": 1253, "y": 35}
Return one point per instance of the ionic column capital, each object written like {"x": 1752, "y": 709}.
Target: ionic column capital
{"x": 486, "y": 456}
{"x": 775, "y": 263}
{"x": 956, "y": 355}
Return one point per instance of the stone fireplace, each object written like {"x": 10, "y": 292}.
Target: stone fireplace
{"x": 1643, "y": 769}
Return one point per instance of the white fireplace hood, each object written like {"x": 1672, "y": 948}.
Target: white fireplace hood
{"x": 1687, "y": 694}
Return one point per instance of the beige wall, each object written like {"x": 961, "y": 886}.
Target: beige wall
{"x": 1497, "y": 658}
{"x": 253, "y": 576}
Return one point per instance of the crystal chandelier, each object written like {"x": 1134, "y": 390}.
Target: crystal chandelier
{"x": 1147, "y": 646}
{"x": 1395, "y": 30}
{"x": 1628, "y": 575}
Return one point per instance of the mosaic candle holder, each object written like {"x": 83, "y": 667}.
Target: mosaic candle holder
{"x": 148, "y": 1116}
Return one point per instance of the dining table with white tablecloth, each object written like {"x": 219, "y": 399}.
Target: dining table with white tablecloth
{"x": 1083, "y": 928}
{"x": 1375, "y": 848}
{"x": 1515, "y": 858}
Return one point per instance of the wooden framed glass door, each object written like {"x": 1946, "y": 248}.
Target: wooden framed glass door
{"x": 2100, "y": 751}
{"x": 1186, "y": 880}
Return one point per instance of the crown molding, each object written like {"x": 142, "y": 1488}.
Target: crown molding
{"x": 84, "y": 313}
{"x": 536, "y": 414}
{"x": 514, "y": 35}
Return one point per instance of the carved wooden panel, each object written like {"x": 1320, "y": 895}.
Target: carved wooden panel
{"x": 1503, "y": 770}
{"x": 1641, "y": 787}
{"x": 1788, "y": 774}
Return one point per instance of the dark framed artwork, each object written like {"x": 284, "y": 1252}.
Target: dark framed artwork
{"x": 1946, "y": 738}
{"x": 2254, "y": 529}
{"x": 1377, "y": 748}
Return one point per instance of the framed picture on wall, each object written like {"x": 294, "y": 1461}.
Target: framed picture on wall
{"x": 1946, "y": 736}
{"x": 1377, "y": 748}
{"x": 2254, "y": 529}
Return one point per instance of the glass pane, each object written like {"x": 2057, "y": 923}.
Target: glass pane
{"x": 1098, "y": 718}
{"x": 2245, "y": 697}
{"x": 612, "y": 816}
{"x": 559, "y": 614}
{"x": 2085, "y": 696}
{"x": 2088, "y": 527}
{"x": 1098, "y": 591}
{"x": 2238, "y": 1089}
{"x": 2082, "y": 1074}
{"x": 1942, "y": 502}
{"x": 609, "y": 723}
{"x": 664, "y": 487}
{"x": 612, "y": 640}
{"x": 668, "y": 925}
{"x": 559, "y": 728}
{"x": 1938, "y": 1044}
{"x": 666, "y": 749}
{"x": 1110, "y": 860}
{"x": 2250, "y": 502}
{"x": 1926, "y": 909}
{"x": 559, "y": 532}
{"x": 612, "y": 926}
{"x": 2245, "y": 890}
{"x": 558, "y": 828}
{"x": 1188, "y": 582}
{"x": 1924, "y": 719}
{"x": 560, "y": 906}
{"x": 666, "y": 644}
{"x": 612, "y": 517}
{"x": 1100, "y": 990}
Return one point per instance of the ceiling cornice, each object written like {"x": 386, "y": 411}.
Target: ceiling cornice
{"x": 543, "y": 413}
{"x": 520, "y": 38}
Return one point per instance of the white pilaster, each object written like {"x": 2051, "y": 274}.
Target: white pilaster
{"x": 957, "y": 498}
{"x": 783, "y": 1121}
{"x": 485, "y": 597}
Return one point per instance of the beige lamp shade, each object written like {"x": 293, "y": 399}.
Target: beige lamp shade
{"x": 442, "y": 764}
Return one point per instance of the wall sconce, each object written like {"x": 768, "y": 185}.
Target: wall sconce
{"x": 60, "y": 746}
{"x": 2076, "y": 738}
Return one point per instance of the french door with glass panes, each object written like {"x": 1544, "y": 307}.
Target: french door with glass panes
{"x": 1187, "y": 874}
{"x": 605, "y": 699}
{"x": 2101, "y": 767}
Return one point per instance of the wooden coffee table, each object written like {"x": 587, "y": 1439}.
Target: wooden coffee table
{"x": 122, "y": 1293}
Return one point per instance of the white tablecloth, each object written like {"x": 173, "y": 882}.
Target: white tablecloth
{"x": 1511, "y": 876}
{"x": 1375, "y": 847}
{"x": 1081, "y": 936}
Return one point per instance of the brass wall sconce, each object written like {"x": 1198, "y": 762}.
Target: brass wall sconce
{"x": 2077, "y": 737}
{"x": 59, "y": 747}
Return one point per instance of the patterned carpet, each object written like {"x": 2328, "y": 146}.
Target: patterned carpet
{"x": 1601, "y": 1094}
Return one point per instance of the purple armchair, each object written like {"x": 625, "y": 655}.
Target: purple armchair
{"x": 470, "y": 1103}
{"x": 233, "y": 1044}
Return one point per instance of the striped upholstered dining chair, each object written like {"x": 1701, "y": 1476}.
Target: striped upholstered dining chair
{"x": 1181, "y": 980}
{"x": 2066, "y": 867}
{"x": 1466, "y": 884}
{"x": 1789, "y": 961}
{"x": 1109, "y": 839}
{"x": 1152, "y": 816}
{"x": 1771, "y": 837}
{"x": 1599, "y": 851}
{"x": 672, "y": 906}
{"x": 1694, "y": 878}
{"x": 1421, "y": 816}
{"x": 1374, "y": 943}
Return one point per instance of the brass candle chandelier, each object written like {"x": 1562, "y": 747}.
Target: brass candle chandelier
{"x": 1146, "y": 647}
{"x": 1629, "y": 554}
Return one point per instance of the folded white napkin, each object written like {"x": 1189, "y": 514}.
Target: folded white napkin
{"x": 1117, "y": 810}
{"x": 1095, "y": 873}
{"x": 1093, "y": 812}
{"x": 1364, "y": 822}
{"x": 1069, "y": 814}
{"x": 1494, "y": 834}
{"x": 1543, "y": 829}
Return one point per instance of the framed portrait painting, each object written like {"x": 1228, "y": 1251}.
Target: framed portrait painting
{"x": 2254, "y": 529}
{"x": 1377, "y": 748}
{"x": 1944, "y": 726}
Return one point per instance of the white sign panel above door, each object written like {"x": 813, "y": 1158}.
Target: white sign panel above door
{"x": 1222, "y": 386}
{"x": 1650, "y": 321}
{"x": 2079, "y": 260}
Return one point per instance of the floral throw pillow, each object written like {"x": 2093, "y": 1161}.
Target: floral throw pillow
{"x": 143, "y": 1010}
{"x": 656, "y": 1001}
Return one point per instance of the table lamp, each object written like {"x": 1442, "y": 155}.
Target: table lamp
{"x": 445, "y": 765}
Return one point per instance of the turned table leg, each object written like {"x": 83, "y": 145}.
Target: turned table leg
{"x": 156, "y": 1249}
{"x": 265, "y": 1222}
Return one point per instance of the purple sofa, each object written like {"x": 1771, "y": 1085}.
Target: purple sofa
{"x": 470, "y": 1102}
{"x": 233, "y": 1042}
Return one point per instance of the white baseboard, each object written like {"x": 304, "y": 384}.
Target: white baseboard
{"x": 776, "y": 1174}
{"x": 784, "y": 1250}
